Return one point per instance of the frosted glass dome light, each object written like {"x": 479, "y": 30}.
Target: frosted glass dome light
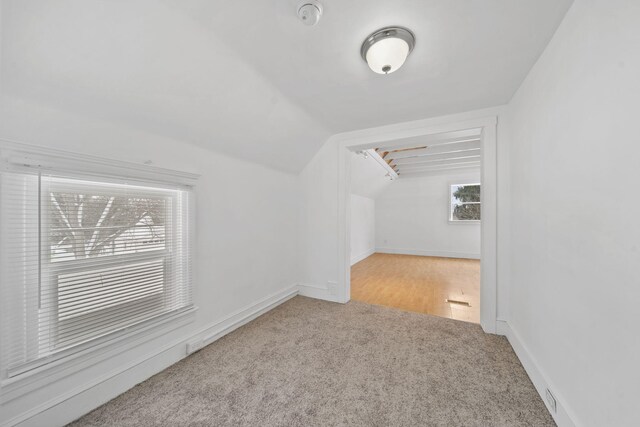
{"x": 387, "y": 49}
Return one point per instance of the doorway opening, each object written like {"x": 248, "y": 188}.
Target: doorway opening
{"x": 420, "y": 236}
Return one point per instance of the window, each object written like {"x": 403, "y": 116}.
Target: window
{"x": 85, "y": 260}
{"x": 465, "y": 203}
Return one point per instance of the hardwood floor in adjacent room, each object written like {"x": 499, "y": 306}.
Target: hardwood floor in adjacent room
{"x": 420, "y": 284}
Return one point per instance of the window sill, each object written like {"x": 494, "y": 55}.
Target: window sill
{"x": 18, "y": 385}
{"x": 465, "y": 222}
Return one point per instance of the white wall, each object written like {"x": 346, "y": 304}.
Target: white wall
{"x": 245, "y": 253}
{"x": 318, "y": 225}
{"x": 412, "y": 217}
{"x": 161, "y": 74}
{"x": 575, "y": 288}
{"x": 367, "y": 176}
{"x": 368, "y": 180}
{"x": 363, "y": 227}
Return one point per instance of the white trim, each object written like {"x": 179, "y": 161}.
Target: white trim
{"x": 356, "y": 259}
{"x": 372, "y": 137}
{"x": 344, "y": 224}
{"x": 489, "y": 226}
{"x": 14, "y": 153}
{"x": 365, "y": 138}
{"x": 43, "y": 375}
{"x": 421, "y": 252}
{"x": 312, "y": 290}
{"x": 563, "y": 416}
{"x": 245, "y": 315}
{"x": 62, "y": 410}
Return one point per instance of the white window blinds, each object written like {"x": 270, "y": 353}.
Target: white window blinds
{"x": 84, "y": 260}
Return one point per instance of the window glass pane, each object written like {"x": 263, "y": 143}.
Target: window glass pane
{"x": 465, "y": 193}
{"x": 465, "y": 202}
{"x": 86, "y": 225}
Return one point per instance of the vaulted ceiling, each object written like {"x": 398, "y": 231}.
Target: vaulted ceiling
{"x": 248, "y": 79}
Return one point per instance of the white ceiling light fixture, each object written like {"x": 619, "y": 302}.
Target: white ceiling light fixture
{"x": 309, "y": 12}
{"x": 387, "y": 49}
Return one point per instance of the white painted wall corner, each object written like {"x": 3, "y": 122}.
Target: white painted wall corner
{"x": 367, "y": 254}
{"x": 312, "y": 290}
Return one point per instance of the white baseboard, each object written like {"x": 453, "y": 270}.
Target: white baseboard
{"x": 245, "y": 315}
{"x": 420, "y": 252}
{"x": 362, "y": 256}
{"x": 318, "y": 292}
{"x": 563, "y": 416}
{"x": 83, "y": 399}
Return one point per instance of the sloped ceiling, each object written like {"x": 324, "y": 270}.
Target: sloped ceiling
{"x": 247, "y": 79}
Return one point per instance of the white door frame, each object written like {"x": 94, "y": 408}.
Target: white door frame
{"x": 370, "y": 138}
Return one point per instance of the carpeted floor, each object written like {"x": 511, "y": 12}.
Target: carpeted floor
{"x": 315, "y": 363}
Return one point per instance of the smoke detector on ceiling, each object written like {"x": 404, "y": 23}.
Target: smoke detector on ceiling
{"x": 309, "y": 12}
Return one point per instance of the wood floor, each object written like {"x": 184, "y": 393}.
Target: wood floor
{"x": 420, "y": 284}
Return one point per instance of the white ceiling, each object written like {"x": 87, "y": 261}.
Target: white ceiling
{"x": 248, "y": 79}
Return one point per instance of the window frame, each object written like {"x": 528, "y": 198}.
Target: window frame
{"x": 450, "y": 195}
{"x": 18, "y": 157}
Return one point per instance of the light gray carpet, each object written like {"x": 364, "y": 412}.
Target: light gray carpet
{"x": 315, "y": 363}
